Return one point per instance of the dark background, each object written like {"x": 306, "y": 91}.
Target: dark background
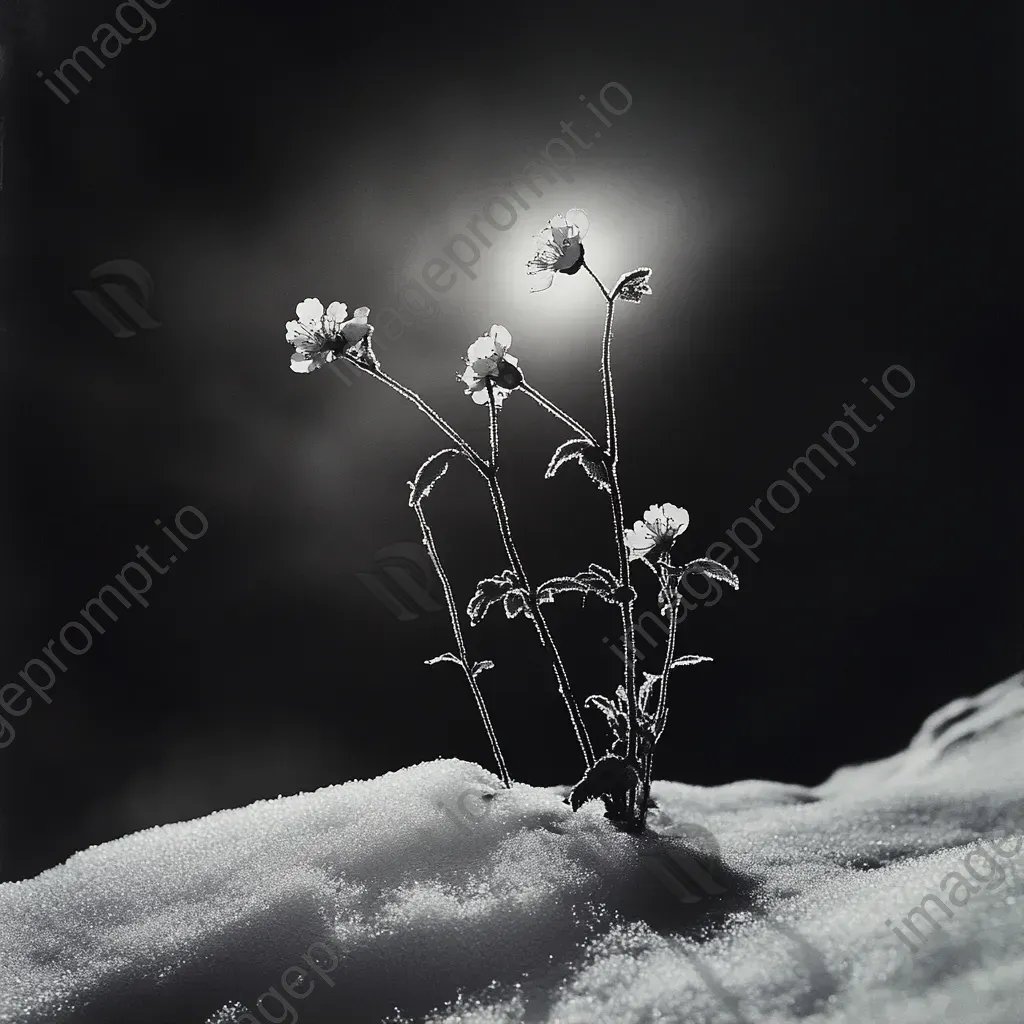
{"x": 831, "y": 189}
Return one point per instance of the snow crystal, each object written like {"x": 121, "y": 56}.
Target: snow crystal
{"x": 433, "y": 894}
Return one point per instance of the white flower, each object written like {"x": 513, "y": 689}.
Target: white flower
{"x": 559, "y": 248}
{"x": 487, "y": 359}
{"x": 655, "y": 534}
{"x": 319, "y": 336}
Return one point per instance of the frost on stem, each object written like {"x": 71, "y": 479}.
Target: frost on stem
{"x": 636, "y": 715}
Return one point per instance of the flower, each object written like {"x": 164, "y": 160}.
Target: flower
{"x": 655, "y": 534}
{"x": 487, "y": 359}
{"x": 559, "y": 248}
{"x": 319, "y": 336}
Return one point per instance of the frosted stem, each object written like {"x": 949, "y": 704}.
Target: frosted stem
{"x": 612, "y": 454}
{"x": 536, "y": 616}
{"x": 428, "y": 542}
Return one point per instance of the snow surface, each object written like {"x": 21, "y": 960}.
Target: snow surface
{"x": 756, "y": 903}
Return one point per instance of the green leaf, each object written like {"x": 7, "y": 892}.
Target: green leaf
{"x": 589, "y": 456}
{"x": 429, "y": 473}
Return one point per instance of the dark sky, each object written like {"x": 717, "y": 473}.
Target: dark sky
{"x": 823, "y": 190}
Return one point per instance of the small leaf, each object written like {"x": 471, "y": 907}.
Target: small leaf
{"x": 605, "y": 574}
{"x": 481, "y": 666}
{"x": 447, "y": 656}
{"x": 715, "y": 570}
{"x": 515, "y": 602}
{"x": 561, "y": 585}
{"x": 616, "y": 719}
{"x": 633, "y": 286}
{"x": 489, "y": 591}
{"x": 590, "y": 457}
{"x": 595, "y": 580}
{"x": 599, "y": 700}
{"x": 429, "y": 473}
{"x": 610, "y": 776}
{"x": 689, "y": 659}
{"x": 645, "y": 689}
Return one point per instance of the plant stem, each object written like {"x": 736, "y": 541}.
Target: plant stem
{"x": 615, "y": 494}
{"x": 492, "y": 424}
{"x": 672, "y": 606}
{"x": 464, "y": 446}
{"x": 501, "y": 513}
{"x": 662, "y": 706}
{"x": 604, "y": 291}
{"x": 428, "y": 542}
{"x": 558, "y": 413}
{"x": 536, "y": 616}
{"x": 489, "y": 473}
{"x": 670, "y": 650}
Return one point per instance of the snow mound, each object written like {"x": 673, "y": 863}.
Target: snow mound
{"x": 892, "y": 892}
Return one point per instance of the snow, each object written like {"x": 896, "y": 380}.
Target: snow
{"x": 756, "y": 903}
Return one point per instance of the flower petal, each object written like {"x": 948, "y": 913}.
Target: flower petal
{"x": 302, "y": 364}
{"x": 544, "y": 281}
{"x": 337, "y": 311}
{"x": 500, "y": 338}
{"x": 310, "y": 311}
{"x": 667, "y": 519}
{"x": 579, "y": 222}
{"x": 480, "y": 397}
{"x": 482, "y": 348}
{"x": 639, "y": 541}
{"x": 306, "y": 346}
{"x": 296, "y": 331}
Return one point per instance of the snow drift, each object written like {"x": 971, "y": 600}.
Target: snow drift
{"x": 892, "y": 892}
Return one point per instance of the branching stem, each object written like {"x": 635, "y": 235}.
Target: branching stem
{"x": 488, "y": 471}
{"x": 428, "y": 542}
{"x": 638, "y": 814}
